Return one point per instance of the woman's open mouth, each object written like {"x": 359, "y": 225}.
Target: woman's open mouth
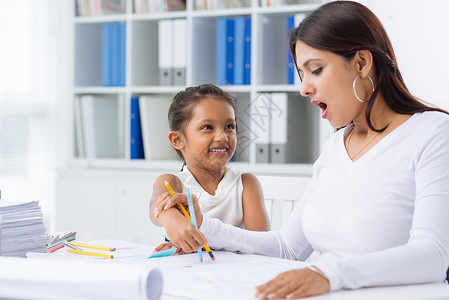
{"x": 322, "y": 106}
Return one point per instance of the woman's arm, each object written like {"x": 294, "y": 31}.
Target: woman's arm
{"x": 255, "y": 214}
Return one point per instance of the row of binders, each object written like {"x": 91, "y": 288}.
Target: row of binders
{"x": 233, "y": 51}
{"x": 271, "y": 3}
{"x": 220, "y": 4}
{"x": 86, "y": 8}
{"x": 113, "y": 54}
{"x": 158, "y": 6}
{"x": 277, "y": 128}
{"x": 21, "y": 228}
{"x": 172, "y": 48}
{"x": 100, "y": 127}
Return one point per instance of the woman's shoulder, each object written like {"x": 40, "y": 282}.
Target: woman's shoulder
{"x": 430, "y": 121}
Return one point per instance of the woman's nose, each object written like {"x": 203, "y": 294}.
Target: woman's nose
{"x": 306, "y": 88}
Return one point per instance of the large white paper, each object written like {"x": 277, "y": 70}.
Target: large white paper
{"x": 46, "y": 279}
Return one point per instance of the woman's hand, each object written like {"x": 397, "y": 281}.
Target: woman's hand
{"x": 294, "y": 284}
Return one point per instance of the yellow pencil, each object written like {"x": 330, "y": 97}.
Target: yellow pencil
{"x": 90, "y": 253}
{"x": 91, "y": 246}
{"x": 170, "y": 190}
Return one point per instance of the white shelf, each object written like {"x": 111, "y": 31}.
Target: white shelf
{"x": 268, "y": 75}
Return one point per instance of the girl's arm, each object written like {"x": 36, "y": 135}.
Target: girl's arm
{"x": 254, "y": 212}
{"x": 179, "y": 229}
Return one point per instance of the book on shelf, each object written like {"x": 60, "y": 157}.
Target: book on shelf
{"x": 233, "y": 51}
{"x": 247, "y": 54}
{"x": 172, "y": 47}
{"x": 113, "y": 54}
{"x": 155, "y": 129}
{"x": 165, "y": 49}
{"x": 102, "y": 125}
{"x": 221, "y": 4}
{"x": 158, "y": 6}
{"x": 136, "y": 142}
{"x": 21, "y": 228}
{"x": 277, "y": 126}
{"x": 86, "y": 8}
{"x": 292, "y": 75}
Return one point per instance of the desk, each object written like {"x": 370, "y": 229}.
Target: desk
{"x": 233, "y": 276}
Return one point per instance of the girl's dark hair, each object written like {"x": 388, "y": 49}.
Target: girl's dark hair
{"x": 345, "y": 27}
{"x": 180, "y": 111}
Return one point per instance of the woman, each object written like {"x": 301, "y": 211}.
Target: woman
{"x": 377, "y": 207}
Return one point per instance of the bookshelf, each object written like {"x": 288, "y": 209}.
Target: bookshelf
{"x": 139, "y": 65}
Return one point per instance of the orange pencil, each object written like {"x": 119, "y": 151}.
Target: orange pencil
{"x": 170, "y": 190}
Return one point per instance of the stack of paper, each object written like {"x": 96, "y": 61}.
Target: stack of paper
{"x": 21, "y": 228}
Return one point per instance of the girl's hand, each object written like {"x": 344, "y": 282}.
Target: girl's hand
{"x": 166, "y": 201}
{"x": 167, "y": 245}
{"x": 294, "y": 284}
{"x": 180, "y": 230}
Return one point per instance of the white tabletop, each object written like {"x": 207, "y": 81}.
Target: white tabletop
{"x": 430, "y": 291}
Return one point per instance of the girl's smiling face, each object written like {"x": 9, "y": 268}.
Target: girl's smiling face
{"x": 327, "y": 79}
{"x": 210, "y": 135}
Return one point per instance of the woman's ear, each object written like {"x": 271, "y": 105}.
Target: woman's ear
{"x": 364, "y": 62}
{"x": 176, "y": 139}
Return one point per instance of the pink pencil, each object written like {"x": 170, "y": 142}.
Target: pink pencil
{"x": 56, "y": 247}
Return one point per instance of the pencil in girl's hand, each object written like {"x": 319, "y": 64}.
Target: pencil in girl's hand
{"x": 172, "y": 193}
{"x": 209, "y": 251}
{"x": 192, "y": 216}
{"x": 170, "y": 190}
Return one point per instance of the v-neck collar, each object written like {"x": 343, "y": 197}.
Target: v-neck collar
{"x": 375, "y": 148}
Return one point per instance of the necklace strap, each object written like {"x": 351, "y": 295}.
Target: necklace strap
{"x": 369, "y": 142}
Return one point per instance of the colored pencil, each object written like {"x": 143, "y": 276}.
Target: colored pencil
{"x": 90, "y": 253}
{"x": 73, "y": 247}
{"x": 54, "y": 248}
{"x": 91, "y": 246}
{"x": 170, "y": 190}
{"x": 192, "y": 216}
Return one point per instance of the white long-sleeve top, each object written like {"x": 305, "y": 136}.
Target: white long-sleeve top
{"x": 381, "y": 220}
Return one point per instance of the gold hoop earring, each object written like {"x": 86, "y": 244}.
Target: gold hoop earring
{"x": 353, "y": 87}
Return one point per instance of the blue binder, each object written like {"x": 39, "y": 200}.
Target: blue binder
{"x": 114, "y": 54}
{"x": 239, "y": 50}
{"x": 230, "y": 52}
{"x": 290, "y": 63}
{"x": 105, "y": 62}
{"x": 136, "y": 131}
{"x": 221, "y": 51}
{"x": 247, "y": 55}
{"x": 122, "y": 54}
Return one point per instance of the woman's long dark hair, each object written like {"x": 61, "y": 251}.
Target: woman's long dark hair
{"x": 345, "y": 27}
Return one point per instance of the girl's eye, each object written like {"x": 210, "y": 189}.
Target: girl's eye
{"x": 230, "y": 126}
{"x": 317, "y": 71}
{"x": 206, "y": 127}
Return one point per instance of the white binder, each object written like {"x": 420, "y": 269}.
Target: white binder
{"x": 165, "y": 47}
{"x": 179, "y": 51}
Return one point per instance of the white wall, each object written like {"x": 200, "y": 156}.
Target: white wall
{"x": 419, "y": 31}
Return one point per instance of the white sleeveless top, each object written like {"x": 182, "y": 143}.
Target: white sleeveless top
{"x": 226, "y": 204}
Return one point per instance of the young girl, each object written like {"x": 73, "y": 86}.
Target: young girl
{"x": 203, "y": 128}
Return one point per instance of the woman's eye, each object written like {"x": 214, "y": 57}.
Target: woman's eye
{"x": 317, "y": 71}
